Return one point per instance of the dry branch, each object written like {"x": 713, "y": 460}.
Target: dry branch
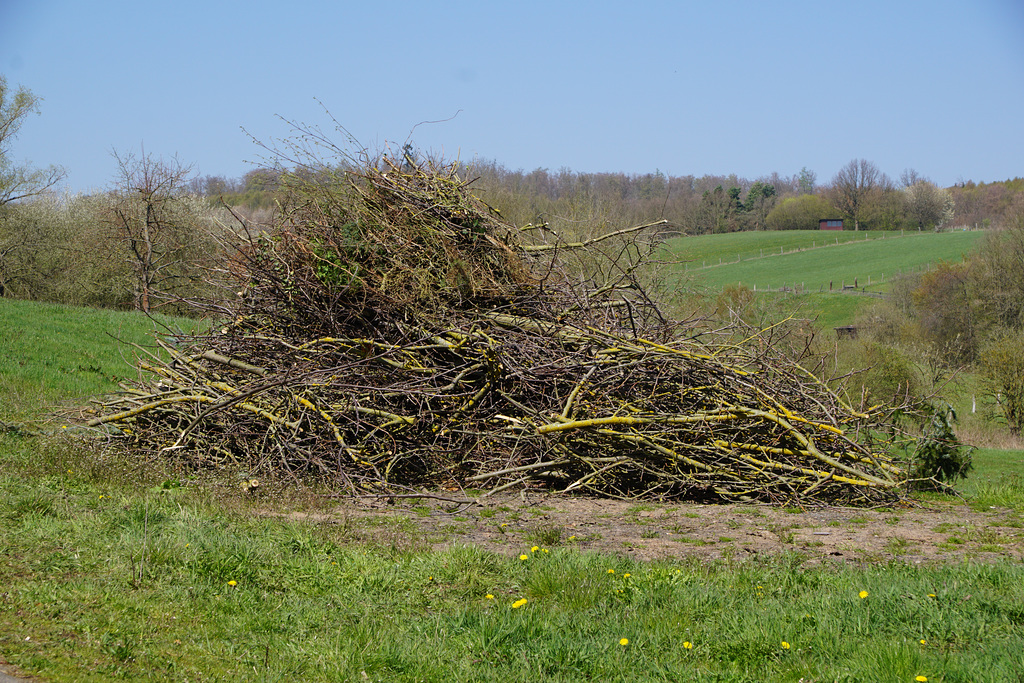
{"x": 395, "y": 332}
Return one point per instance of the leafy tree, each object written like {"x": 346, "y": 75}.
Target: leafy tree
{"x": 1002, "y": 363}
{"x": 946, "y": 316}
{"x": 806, "y": 181}
{"x": 20, "y": 182}
{"x": 59, "y": 252}
{"x": 852, "y": 187}
{"x": 799, "y": 213}
{"x": 999, "y": 272}
{"x": 760, "y": 201}
{"x": 718, "y": 209}
{"x": 926, "y": 206}
{"x": 884, "y": 208}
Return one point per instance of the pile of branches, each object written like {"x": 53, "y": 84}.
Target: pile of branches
{"x": 393, "y": 331}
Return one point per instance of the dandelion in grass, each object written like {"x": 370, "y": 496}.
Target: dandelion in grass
{"x": 863, "y": 594}
{"x": 931, "y": 595}
{"x": 611, "y": 571}
{"x": 489, "y": 596}
{"x": 626, "y": 575}
{"x": 624, "y": 642}
{"x": 518, "y": 603}
{"x": 534, "y": 549}
{"x": 524, "y": 557}
{"x": 232, "y": 583}
{"x": 922, "y": 679}
{"x": 923, "y": 641}
{"x": 785, "y": 645}
{"x": 688, "y": 645}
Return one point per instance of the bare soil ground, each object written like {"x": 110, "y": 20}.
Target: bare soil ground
{"x": 924, "y": 533}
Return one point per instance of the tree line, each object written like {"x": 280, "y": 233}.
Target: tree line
{"x": 145, "y": 241}
{"x": 859, "y": 194}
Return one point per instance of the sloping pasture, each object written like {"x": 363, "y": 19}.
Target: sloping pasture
{"x": 813, "y": 261}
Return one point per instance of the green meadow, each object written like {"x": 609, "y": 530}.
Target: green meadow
{"x": 814, "y": 260}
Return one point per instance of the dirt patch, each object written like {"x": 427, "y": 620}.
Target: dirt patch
{"x": 933, "y": 532}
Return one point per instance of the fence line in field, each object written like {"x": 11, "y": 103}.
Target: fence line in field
{"x": 857, "y": 286}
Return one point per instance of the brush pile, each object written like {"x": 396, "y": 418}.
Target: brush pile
{"x": 394, "y": 332}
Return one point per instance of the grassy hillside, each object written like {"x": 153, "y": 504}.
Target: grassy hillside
{"x": 817, "y": 264}
{"x": 54, "y": 355}
{"x": 812, "y": 259}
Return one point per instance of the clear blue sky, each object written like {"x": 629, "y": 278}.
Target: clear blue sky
{"x": 685, "y": 88}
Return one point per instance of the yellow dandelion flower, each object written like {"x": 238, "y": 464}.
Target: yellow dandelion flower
{"x": 232, "y": 583}
{"x": 931, "y": 595}
{"x": 624, "y": 642}
{"x": 572, "y": 538}
{"x": 688, "y": 645}
{"x": 524, "y": 557}
{"x": 611, "y": 571}
{"x": 544, "y": 550}
{"x": 863, "y": 594}
{"x": 785, "y": 645}
{"x": 489, "y": 596}
{"x": 923, "y": 641}
{"x": 626, "y": 575}
{"x": 922, "y": 679}
{"x": 519, "y": 603}
{"x": 534, "y": 549}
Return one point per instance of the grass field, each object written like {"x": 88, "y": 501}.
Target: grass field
{"x": 113, "y": 569}
{"x": 53, "y": 355}
{"x": 815, "y": 264}
{"x": 813, "y": 260}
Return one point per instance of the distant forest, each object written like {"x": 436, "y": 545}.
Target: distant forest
{"x": 859, "y": 194}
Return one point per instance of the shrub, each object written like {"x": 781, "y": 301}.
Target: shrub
{"x": 888, "y": 376}
{"x": 940, "y": 458}
{"x": 1002, "y": 364}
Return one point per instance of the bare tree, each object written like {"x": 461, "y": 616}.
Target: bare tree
{"x": 910, "y": 177}
{"x": 156, "y": 223}
{"x": 852, "y": 187}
